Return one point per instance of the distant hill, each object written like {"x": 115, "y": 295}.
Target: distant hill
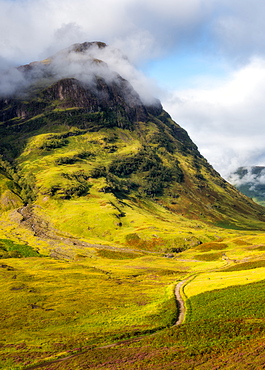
{"x": 251, "y": 182}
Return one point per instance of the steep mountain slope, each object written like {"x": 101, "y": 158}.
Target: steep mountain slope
{"x": 82, "y": 156}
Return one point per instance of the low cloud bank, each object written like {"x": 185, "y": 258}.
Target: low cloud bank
{"x": 251, "y": 179}
{"x": 247, "y": 175}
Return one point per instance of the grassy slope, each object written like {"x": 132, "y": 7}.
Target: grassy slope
{"x": 121, "y": 219}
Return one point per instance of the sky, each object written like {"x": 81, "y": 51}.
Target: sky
{"x": 204, "y": 59}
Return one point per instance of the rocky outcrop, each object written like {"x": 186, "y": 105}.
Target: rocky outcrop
{"x": 13, "y": 108}
{"x": 114, "y": 99}
{"x": 117, "y": 96}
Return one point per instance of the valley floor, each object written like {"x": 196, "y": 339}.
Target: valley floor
{"x": 112, "y": 308}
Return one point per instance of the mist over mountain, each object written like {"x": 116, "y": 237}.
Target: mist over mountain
{"x": 81, "y": 61}
{"x": 250, "y": 180}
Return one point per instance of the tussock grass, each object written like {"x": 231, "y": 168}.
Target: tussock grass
{"x": 212, "y": 337}
{"x": 106, "y": 253}
{"x": 209, "y": 256}
{"x": 68, "y": 307}
{"x": 65, "y": 306}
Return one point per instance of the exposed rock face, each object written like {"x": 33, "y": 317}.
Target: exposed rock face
{"x": 87, "y": 45}
{"x": 11, "y": 108}
{"x": 117, "y": 97}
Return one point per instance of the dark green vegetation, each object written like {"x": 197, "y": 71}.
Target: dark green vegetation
{"x": 233, "y": 303}
{"x": 9, "y": 249}
{"x": 121, "y": 206}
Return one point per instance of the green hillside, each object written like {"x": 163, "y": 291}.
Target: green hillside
{"x": 105, "y": 205}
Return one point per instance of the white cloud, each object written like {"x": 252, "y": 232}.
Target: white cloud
{"x": 239, "y": 27}
{"x": 28, "y": 27}
{"x": 226, "y": 121}
{"x": 253, "y": 177}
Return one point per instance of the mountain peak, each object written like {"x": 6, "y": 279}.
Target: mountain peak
{"x": 80, "y": 48}
{"x": 86, "y": 62}
{"x": 86, "y": 50}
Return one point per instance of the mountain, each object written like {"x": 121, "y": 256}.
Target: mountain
{"x": 84, "y": 155}
{"x": 250, "y": 181}
{"x": 107, "y": 213}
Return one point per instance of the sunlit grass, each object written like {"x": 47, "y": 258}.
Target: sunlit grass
{"x": 52, "y": 305}
{"x": 209, "y": 281}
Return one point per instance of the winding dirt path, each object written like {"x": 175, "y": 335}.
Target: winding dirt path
{"x": 180, "y": 302}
